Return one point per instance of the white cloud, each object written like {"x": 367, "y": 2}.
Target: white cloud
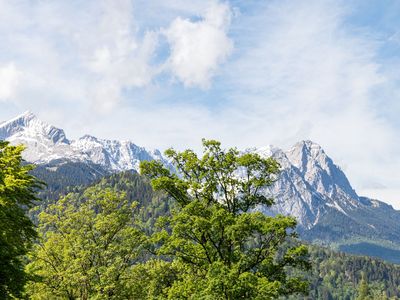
{"x": 116, "y": 67}
{"x": 198, "y": 47}
{"x": 88, "y": 52}
{"x": 9, "y": 80}
{"x": 92, "y": 52}
{"x": 114, "y": 54}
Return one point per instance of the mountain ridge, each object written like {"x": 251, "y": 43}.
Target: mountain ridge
{"x": 46, "y": 143}
{"x": 310, "y": 187}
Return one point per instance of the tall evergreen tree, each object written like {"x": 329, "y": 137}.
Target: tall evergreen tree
{"x": 363, "y": 289}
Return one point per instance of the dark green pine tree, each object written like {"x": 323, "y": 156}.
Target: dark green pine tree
{"x": 363, "y": 290}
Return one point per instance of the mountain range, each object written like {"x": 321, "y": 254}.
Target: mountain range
{"x": 46, "y": 143}
{"x": 310, "y": 187}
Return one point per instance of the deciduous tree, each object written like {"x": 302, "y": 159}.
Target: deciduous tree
{"x": 88, "y": 246}
{"x": 216, "y": 245}
{"x": 17, "y": 194}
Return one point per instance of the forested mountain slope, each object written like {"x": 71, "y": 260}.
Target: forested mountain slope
{"x": 369, "y": 227}
{"x": 334, "y": 275}
{"x": 337, "y": 276}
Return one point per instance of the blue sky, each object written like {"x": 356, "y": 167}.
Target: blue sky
{"x": 249, "y": 73}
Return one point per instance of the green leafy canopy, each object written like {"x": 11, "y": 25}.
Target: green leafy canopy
{"x": 89, "y": 243}
{"x": 17, "y": 194}
{"x": 219, "y": 247}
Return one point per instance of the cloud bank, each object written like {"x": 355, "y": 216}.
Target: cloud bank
{"x": 9, "y": 79}
{"x": 249, "y": 73}
{"x": 97, "y": 50}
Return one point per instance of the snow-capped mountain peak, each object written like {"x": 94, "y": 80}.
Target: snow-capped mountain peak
{"x": 28, "y": 125}
{"x": 116, "y": 155}
{"x": 17, "y": 124}
{"x": 46, "y": 143}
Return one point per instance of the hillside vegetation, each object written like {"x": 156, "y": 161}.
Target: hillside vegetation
{"x": 334, "y": 275}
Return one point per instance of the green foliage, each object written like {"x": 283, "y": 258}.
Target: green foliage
{"x": 214, "y": 178}
{"x": 218, "y": 246}
{"x": 88, "y": 244}
{"x": 371, "y": 247}
{"x": 17, "y": 192}
{"x": 380, "y": 238}
{"x": 363, "y": 290}
{"x": 72, "y": 177}
{"x": 62, "y": 177}
{"x": 336, "y": 275}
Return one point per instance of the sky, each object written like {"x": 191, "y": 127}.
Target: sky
{"x": 165, "y": 73}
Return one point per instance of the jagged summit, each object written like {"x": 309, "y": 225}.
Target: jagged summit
{"x": 16, "y": 124}
{"x": 28, "y": 125}
{"x": 305, "y": 151}
{"x": 88, "y": 137}
{"x": 117, "y": 155}
{"x": 309, "y": 184}
{"x": 319, "y": 170}
{"x": 25, "y": 114}
{"x": 20, "y": 119}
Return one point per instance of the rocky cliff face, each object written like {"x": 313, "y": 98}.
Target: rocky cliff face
{"x": 310, "y": 184}
{"x": 318, "y": 194}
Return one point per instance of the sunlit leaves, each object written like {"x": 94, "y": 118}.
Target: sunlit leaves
{"x": 219, "y": 246}
{"x": 89, "y": 244}
{"x": 17, "y": 192}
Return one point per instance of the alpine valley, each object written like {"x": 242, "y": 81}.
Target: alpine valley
{"x": 310, "y": 186}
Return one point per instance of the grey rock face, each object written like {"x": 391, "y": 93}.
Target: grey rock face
{"x": 310, "y": 184}
{"x": 317, "y": 193}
